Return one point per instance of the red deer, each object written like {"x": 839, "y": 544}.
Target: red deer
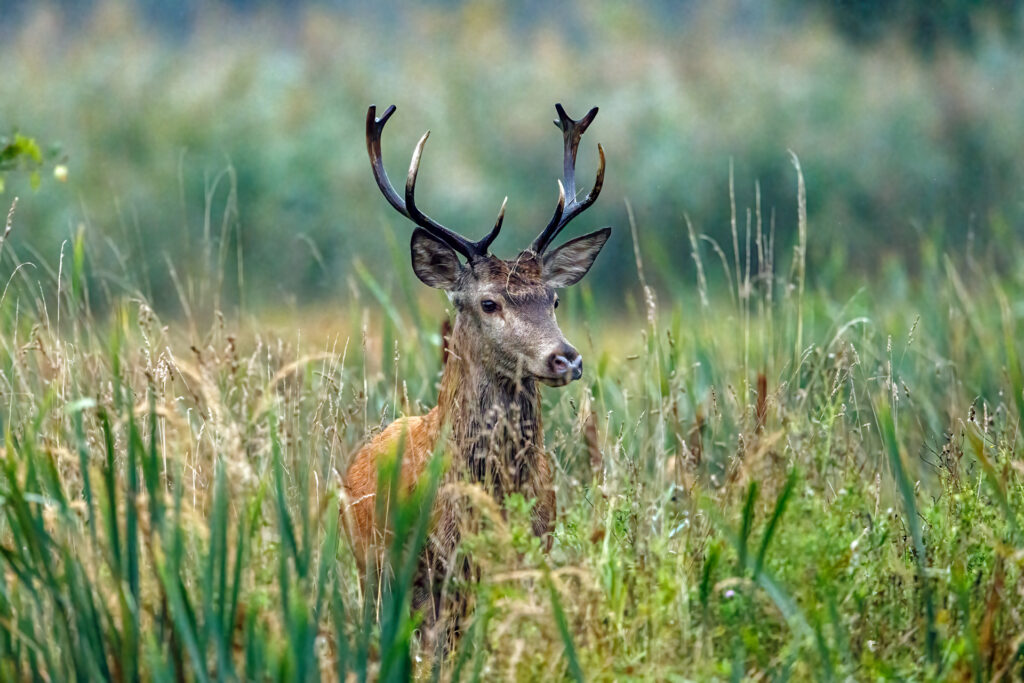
{"x": 504, "y": 342}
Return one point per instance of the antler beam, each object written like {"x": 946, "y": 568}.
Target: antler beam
{"x": 565, "y": 211}
{"x": 407, "y": 206}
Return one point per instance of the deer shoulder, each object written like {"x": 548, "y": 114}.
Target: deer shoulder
{"x": 416, "y": 436}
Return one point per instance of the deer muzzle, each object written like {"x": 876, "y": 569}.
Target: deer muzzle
{"x": 565, "y": 365}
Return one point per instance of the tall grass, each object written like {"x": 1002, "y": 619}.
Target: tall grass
{"x": 172, "y": 506}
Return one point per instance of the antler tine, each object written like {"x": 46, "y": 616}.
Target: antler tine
{"x": 552, "y": 227}
{"x": 374, "y": 127}
{"x": 412, "y": 212}
{"x": 407, "y": 207}
{"x": 576, "y": 208}
{"x": 572, "y": 131}
{"x": 484, "y": 244}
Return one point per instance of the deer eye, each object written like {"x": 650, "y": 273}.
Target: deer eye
{"x": 556, "y": 302}
{"x": 489, "y": 306}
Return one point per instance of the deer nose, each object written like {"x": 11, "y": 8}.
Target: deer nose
{"x": 566, "y": 361}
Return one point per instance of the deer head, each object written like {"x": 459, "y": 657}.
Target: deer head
{"x": 505, "y": 307}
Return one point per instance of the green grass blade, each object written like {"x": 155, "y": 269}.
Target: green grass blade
{"x": 563, "y": 631}
{"x": 110, "y": 486}
{"x": 773, "y": 521}
{"x": 887, "y": 427}
{"x": 746, "y": 526}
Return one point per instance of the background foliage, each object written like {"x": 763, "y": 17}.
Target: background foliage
{"x": 151, "y": 102}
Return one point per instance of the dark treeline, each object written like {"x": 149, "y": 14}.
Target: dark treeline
{"x": 928, "y": 24}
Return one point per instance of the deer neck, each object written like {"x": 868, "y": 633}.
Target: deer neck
{"x": 492, "y": 421}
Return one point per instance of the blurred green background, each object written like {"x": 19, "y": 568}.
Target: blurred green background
{"x": 228, "y": 137}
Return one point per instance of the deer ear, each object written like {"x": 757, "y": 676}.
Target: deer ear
{"x": 433, "y": 261}
{"x": 570, "y": 262}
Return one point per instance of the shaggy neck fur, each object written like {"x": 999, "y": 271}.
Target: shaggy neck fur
{"x": 493, "y": 422}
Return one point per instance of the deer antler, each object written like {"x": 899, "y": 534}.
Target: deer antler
{"x": 407, "y": 207}
{"x": 572, "y": 131}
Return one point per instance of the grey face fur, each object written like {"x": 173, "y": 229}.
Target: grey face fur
{"x": 507, "y": 308}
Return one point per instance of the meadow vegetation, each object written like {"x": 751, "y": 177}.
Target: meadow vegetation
{"x": 761, "y": 481}
{"x": 796, "y": 450}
